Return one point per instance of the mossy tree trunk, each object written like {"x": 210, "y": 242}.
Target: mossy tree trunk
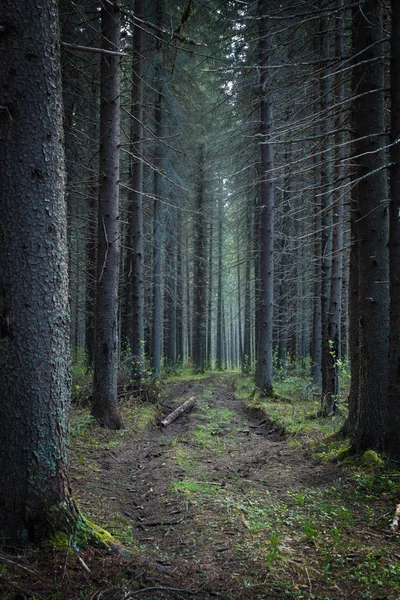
{"x": 35, "y": 499}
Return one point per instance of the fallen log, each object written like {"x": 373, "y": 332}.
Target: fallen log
{"x": 184, "y": 408}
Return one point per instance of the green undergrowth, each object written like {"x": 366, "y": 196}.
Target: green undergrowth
{"x": 294, "y": 407}
{"x": 309, "y": 538}
{"x": 330, "y": 541}
{"x": 308, "y": 534}
{"x": 86, "y": 432}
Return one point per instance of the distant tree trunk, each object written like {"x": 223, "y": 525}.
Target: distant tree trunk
{"x": 170, "y": 296}
{"x": 393, "y": 423}
{"x": 282, "y": 330}
{"x": 350, "y": 426}
{"x": 326, "y": 196}
{"x": 219, "y": 350}
{"x": 264, "y": 370}
{"x": 239, "y": 299}
{"x": 232, "y": 341}
{"x": 246, "y": 362}
{"x": 224, "y": 339}
{"x": 371, "y": 191}
{"x": 332, "y": 389}
{"x": 316, "y": 346}
{"x": 104, "y": 401}
{"x": 188, "y": 300}
{"x": 284, "y": 268}
{"x": 180, "y": 297}
{"x": 91, "y": 243}
{"x": 199, "y": 274}
{"x": 210, "y": 296}
{"x": 35, "y": 499}
{"x": 135, "y": 197}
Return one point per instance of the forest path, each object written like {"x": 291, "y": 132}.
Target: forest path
{"x": 212, "y": 500}
{"x": 220, "y": 504}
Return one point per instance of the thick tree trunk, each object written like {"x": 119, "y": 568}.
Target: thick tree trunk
{"x": 372, "y": 225}
{"x": 104, "y": 402}
{"x": 264, "y": 370}
{"x": 35, "y": 499}
{"x": 135, "y": 197}
{"x": 393, "y": 423}
{"x": 157, "y": 247}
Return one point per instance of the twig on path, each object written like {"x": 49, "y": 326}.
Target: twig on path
{"x": 84, "y": 565}
{"x": 157, "y": 523}
{"x": 395, "y": 523}
{"x": 309, "y": 580}
{"x": 158, "y": 588}
{"x": 11, "y": 562}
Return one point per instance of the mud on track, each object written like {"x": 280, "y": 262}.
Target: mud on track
{"x": 199, "y": 497}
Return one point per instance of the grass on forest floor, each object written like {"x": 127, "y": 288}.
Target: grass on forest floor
{"x": 312, "y": 543}
{"x": 310, "y": 539}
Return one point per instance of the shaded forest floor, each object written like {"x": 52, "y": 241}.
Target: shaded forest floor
{"x": 238, "y": 499}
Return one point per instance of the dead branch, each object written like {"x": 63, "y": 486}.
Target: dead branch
{"x": 156, "y": 587}
{"x": 92, "y": 50}
{"x": 395, "y": 523}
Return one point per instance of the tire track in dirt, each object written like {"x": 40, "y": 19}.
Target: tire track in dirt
{"x": 182, "y": 538}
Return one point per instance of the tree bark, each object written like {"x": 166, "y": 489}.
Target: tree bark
{"x": 210, "y": 295}
{"x": 135, "y": 197}
{"x": 393, "y": 422}
{"x": 199, "y": 274}
{"x": 157, "y": 246}
{"x": 326, "y": 197}
{"x": 264, "y": 370}
{"x": 219, "y": 349}
{"x": 332, "y": 384}
{"x": 246, "y": 362}
{"x": 35, "y": 499}
{"x": 104, "y": 401}
{"x": 372, "y": 227}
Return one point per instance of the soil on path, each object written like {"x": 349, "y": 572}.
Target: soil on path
{"x": 198, "y": 497}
